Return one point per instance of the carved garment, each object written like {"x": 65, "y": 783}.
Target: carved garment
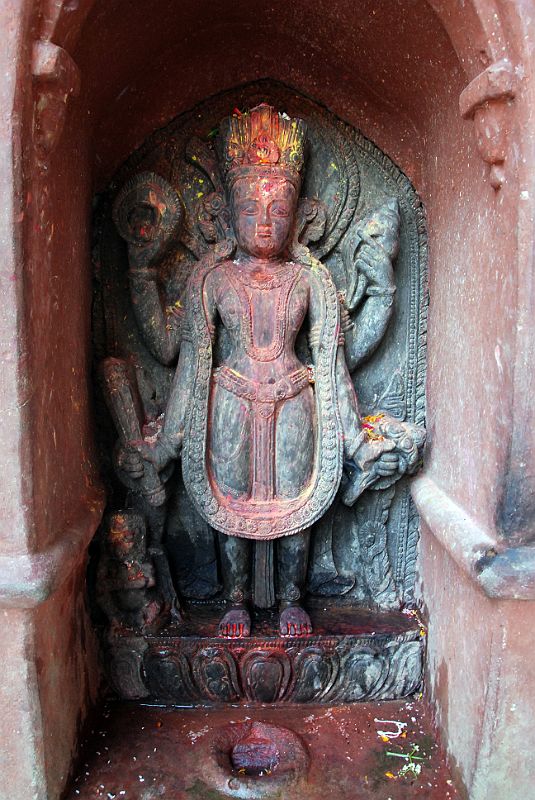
{"x": 262, "y": 447}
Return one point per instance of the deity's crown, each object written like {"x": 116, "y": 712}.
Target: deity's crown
{"x": 265, "y": 139}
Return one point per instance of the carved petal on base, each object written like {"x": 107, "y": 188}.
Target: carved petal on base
{"x": 362, "y": 674}
{"x": 265, "y": 675}
{"x": 169, "y": 677}
{"x": 126, "y": 672}
{"x": 315, "y": 673}
{"x": 405, "y": 673}
{"x": 214, "y": 670}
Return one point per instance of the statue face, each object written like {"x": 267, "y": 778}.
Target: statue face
{"x": 263, "y": 212}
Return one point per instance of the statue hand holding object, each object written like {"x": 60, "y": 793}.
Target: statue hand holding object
{"x": 138, "y": 456}
{"x": 391, "y": 449}
{"x": 372, "y": 246}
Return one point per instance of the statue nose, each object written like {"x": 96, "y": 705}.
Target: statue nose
{"x": 265, "y": 218}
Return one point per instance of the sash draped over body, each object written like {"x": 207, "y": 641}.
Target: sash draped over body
{"x": 263, "y": 440}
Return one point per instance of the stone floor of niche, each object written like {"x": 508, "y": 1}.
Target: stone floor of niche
{"x": 140, "y": 752}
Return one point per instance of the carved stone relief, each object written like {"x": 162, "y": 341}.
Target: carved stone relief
{"x": 266, "y": 669}
{"x": 166, "y": 240}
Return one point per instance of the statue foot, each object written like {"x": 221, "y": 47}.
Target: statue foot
{"x": 236, "y": 624}
{"x": 294, "y": 621}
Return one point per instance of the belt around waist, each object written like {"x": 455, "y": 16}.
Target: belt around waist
{"x": 282, "y": 389}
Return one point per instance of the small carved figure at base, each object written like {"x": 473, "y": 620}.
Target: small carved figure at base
{"x": 236, "y": 623}
{"x": 294, "y": 621}
{"x": 126, "y": 577}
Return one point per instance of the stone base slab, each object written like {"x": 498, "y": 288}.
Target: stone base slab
{"x": 371, "y": 656}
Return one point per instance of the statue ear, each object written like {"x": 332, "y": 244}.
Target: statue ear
{"x": 148, "y": 214}
{"x": 311, "y": 220}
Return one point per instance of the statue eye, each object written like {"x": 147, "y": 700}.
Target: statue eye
{"x": 279, "y": 210}
{"x": 250, "y": 209}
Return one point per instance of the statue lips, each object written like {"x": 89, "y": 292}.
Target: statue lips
{"x": 263, "y": 236}
{"x": 263, "y": 240}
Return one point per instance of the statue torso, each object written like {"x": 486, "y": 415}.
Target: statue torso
{"x": 261, "y": 453}
{"x": 262, "y": 311}
{"x": 261, "y": 395}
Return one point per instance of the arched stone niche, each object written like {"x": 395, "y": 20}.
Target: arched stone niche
{"x": 84, "y": 84}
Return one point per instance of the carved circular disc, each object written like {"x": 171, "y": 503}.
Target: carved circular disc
{"x": 146, "y": 208}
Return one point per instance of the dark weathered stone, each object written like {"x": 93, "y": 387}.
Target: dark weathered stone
{"x": 371, "y": 657}
{"x": 263, "y": 411}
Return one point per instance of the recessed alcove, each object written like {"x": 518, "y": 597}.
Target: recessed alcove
{"x": 395, "y": 70}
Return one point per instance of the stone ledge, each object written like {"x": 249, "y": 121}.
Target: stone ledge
{"x": 29, "y": 579}
{"x": 506, "y": 573}
{"x": 372, "y": 655}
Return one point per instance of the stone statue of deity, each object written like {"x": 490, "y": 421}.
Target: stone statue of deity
{"x": 262, "y": 432}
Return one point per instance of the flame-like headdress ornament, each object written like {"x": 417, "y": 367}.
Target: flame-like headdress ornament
{"x": 262, "y": 139}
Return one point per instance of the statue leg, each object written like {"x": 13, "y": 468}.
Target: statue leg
{"x": 235, "y": 556}
{"x": 292, "y": 563}
{"x": 192, "y": 547}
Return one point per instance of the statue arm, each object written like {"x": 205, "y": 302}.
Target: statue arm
{"x": 364, "y": 331}
{"x": 183, "y": 382}
{"x": 168, "y": 444}
{"x": 369, "y": 255}
{"x": 149, "y": 214}
{"x": 365, "y": 319}
{"x": 161, "y": 328}
{"x": 170, "y": 440}
{"x": 354, "y": 434}
{"x": 369, "y": 459}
